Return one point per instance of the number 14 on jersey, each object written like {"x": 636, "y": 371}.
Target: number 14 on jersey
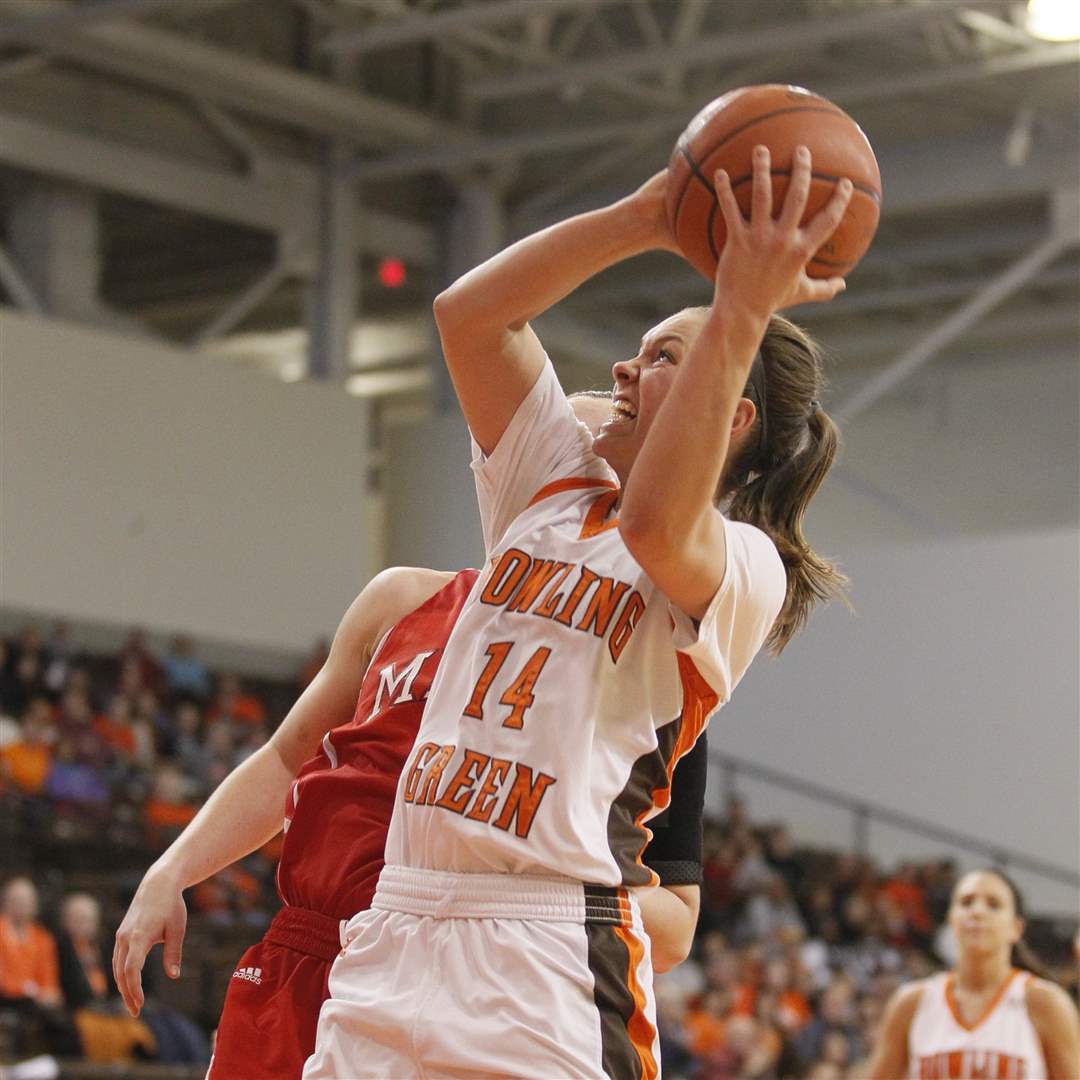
{"x": 518, "y": 696}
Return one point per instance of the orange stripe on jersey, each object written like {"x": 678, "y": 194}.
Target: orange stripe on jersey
{"x": 642, "y": 1033}
{"x": 595, "y": 520}
{"x": 950, "y": 1000}
{"x": 570, "y": 483}
{"x": 699, "y": 700}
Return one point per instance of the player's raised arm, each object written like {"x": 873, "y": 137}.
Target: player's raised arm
{"x": 483, "y": 318}
{"x": 246, "y": 810}
{"x": 668, "y": 517}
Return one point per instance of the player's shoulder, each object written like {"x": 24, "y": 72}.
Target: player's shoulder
{"x": 906, "y": 998}
{"x": 398, "y": 590}
{"x": 1046, "y": 999}
{"x": 409, "y": 581}
{"x": 387, "y": 598}
{"x": 753, "y": 559}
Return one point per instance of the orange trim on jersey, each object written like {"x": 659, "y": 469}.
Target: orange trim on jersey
{"x": 995, "y": 1001}
{"x": 570, "y": 483}
{"x": 595, "y": 520}
{"x": 641, "y": 1031}
{"x": 699, "y": 700}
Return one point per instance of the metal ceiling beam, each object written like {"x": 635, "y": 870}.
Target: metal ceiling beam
{"x": 887, "y": 259}
{"x": 802, "y": 35}
{"x": 1044, "y": 56}
{"x": 181, "y": 63}
{"x": 1022, "y": 332}
{"x": 512, "y": 147}
{"x": 475, "y": 151}
{"x": 949, "y": 329}
{"x": 279, "y": 197}
{"x": 425, "y": 27}
{"x": 72, "y": 17}
{"x": 18, "y": 287}
{"x": 925, "y": 293}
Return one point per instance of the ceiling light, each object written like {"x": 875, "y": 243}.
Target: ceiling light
{"x": 1053, "y": 20}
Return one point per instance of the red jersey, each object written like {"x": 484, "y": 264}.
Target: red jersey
{"x": 338, "y": 809}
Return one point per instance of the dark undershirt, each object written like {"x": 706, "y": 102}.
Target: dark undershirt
{"x": 675, "y": 849}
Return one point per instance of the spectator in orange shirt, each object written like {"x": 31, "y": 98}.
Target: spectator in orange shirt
{"x": 28, "y": 964}
{"x": 706, "y": 1023}
{"x": 26, "y": 762}
{"x": 29, "y": 970}
{"x": 168, "y": 810}
{"x": 231, "y": 703}
{"x": 907, "y": 894}
{"x": 114, "y": 727}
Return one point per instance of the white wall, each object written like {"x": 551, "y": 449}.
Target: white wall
{"x": 144, "y": 484}
{"x": 951, "y": 695}
{"x": 431, "y": 500}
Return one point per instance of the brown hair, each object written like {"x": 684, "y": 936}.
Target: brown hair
{"x": 771, "y": 482}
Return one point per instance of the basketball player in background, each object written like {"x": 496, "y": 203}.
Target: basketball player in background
{"x": 363, "y": 710}
{"x": 985, "y": 1020}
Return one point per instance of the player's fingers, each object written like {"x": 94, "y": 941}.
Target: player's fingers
{"x": 174, "y": 945}
{"x": 821, "y": 290}
{"x": 798, "y": 190}
{"x": 133, "y": 965}
{"x": 725, "y": 197}
{"x": 761, "y": 199}
{"x": 119, "y": 949}
{"x": 121, "y": 974}
{"x": 823, "y": 224}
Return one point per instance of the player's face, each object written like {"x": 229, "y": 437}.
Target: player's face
{"x": 641, "y": 385}
{"x": 983, "y": 915}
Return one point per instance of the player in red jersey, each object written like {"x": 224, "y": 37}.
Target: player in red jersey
{"x": 337, "y": 813}
{"x": 363, "y": 710}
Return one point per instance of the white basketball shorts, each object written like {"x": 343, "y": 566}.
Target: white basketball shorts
{"x": 490, "y": 975}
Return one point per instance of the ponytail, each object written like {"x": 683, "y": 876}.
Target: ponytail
{"x": 771, "y": 485}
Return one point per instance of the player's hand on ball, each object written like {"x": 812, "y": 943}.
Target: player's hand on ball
{"x": 649, "y": 205}
{"x": 764, "y": 259}
{"x": 157, "y": 913}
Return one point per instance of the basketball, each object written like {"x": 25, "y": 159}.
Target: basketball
{"x": 723, "y": 136}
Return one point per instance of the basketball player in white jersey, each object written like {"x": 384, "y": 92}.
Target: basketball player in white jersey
{"x": 985, "y": 1020}
{"x": 618, "y": 610}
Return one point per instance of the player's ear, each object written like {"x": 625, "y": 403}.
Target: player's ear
{"x": 745, "y": 415}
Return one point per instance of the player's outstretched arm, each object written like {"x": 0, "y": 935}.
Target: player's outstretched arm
{"x": 1058, "y": 1025}
{"x": 670, "y": 915}
{"x": 668, "y": 518}
{"x": 246, "y": 809}
{"x": 492, "y": 353}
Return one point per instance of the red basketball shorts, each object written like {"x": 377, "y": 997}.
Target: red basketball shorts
{"x": 267, "y": 1026}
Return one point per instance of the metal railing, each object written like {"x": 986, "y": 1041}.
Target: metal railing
{"x": 864, "y": 812}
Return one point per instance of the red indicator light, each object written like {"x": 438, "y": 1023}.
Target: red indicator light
{"x": 392, "y": 273}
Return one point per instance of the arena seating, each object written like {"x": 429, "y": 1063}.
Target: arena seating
{"x": 104, "y": 759}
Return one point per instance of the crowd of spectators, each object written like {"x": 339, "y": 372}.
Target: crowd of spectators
{"x": 102, "y": 761}
{"x": 796, "y": 953}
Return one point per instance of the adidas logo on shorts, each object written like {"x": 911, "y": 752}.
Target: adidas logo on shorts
{"x": 249, "y": 974}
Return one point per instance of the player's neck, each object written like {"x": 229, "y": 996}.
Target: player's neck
{"x": 979, "y": 973}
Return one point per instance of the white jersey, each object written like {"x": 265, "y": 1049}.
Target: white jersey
{"x": 1001, "y": 1045}
{"x": 569, "y": 687}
